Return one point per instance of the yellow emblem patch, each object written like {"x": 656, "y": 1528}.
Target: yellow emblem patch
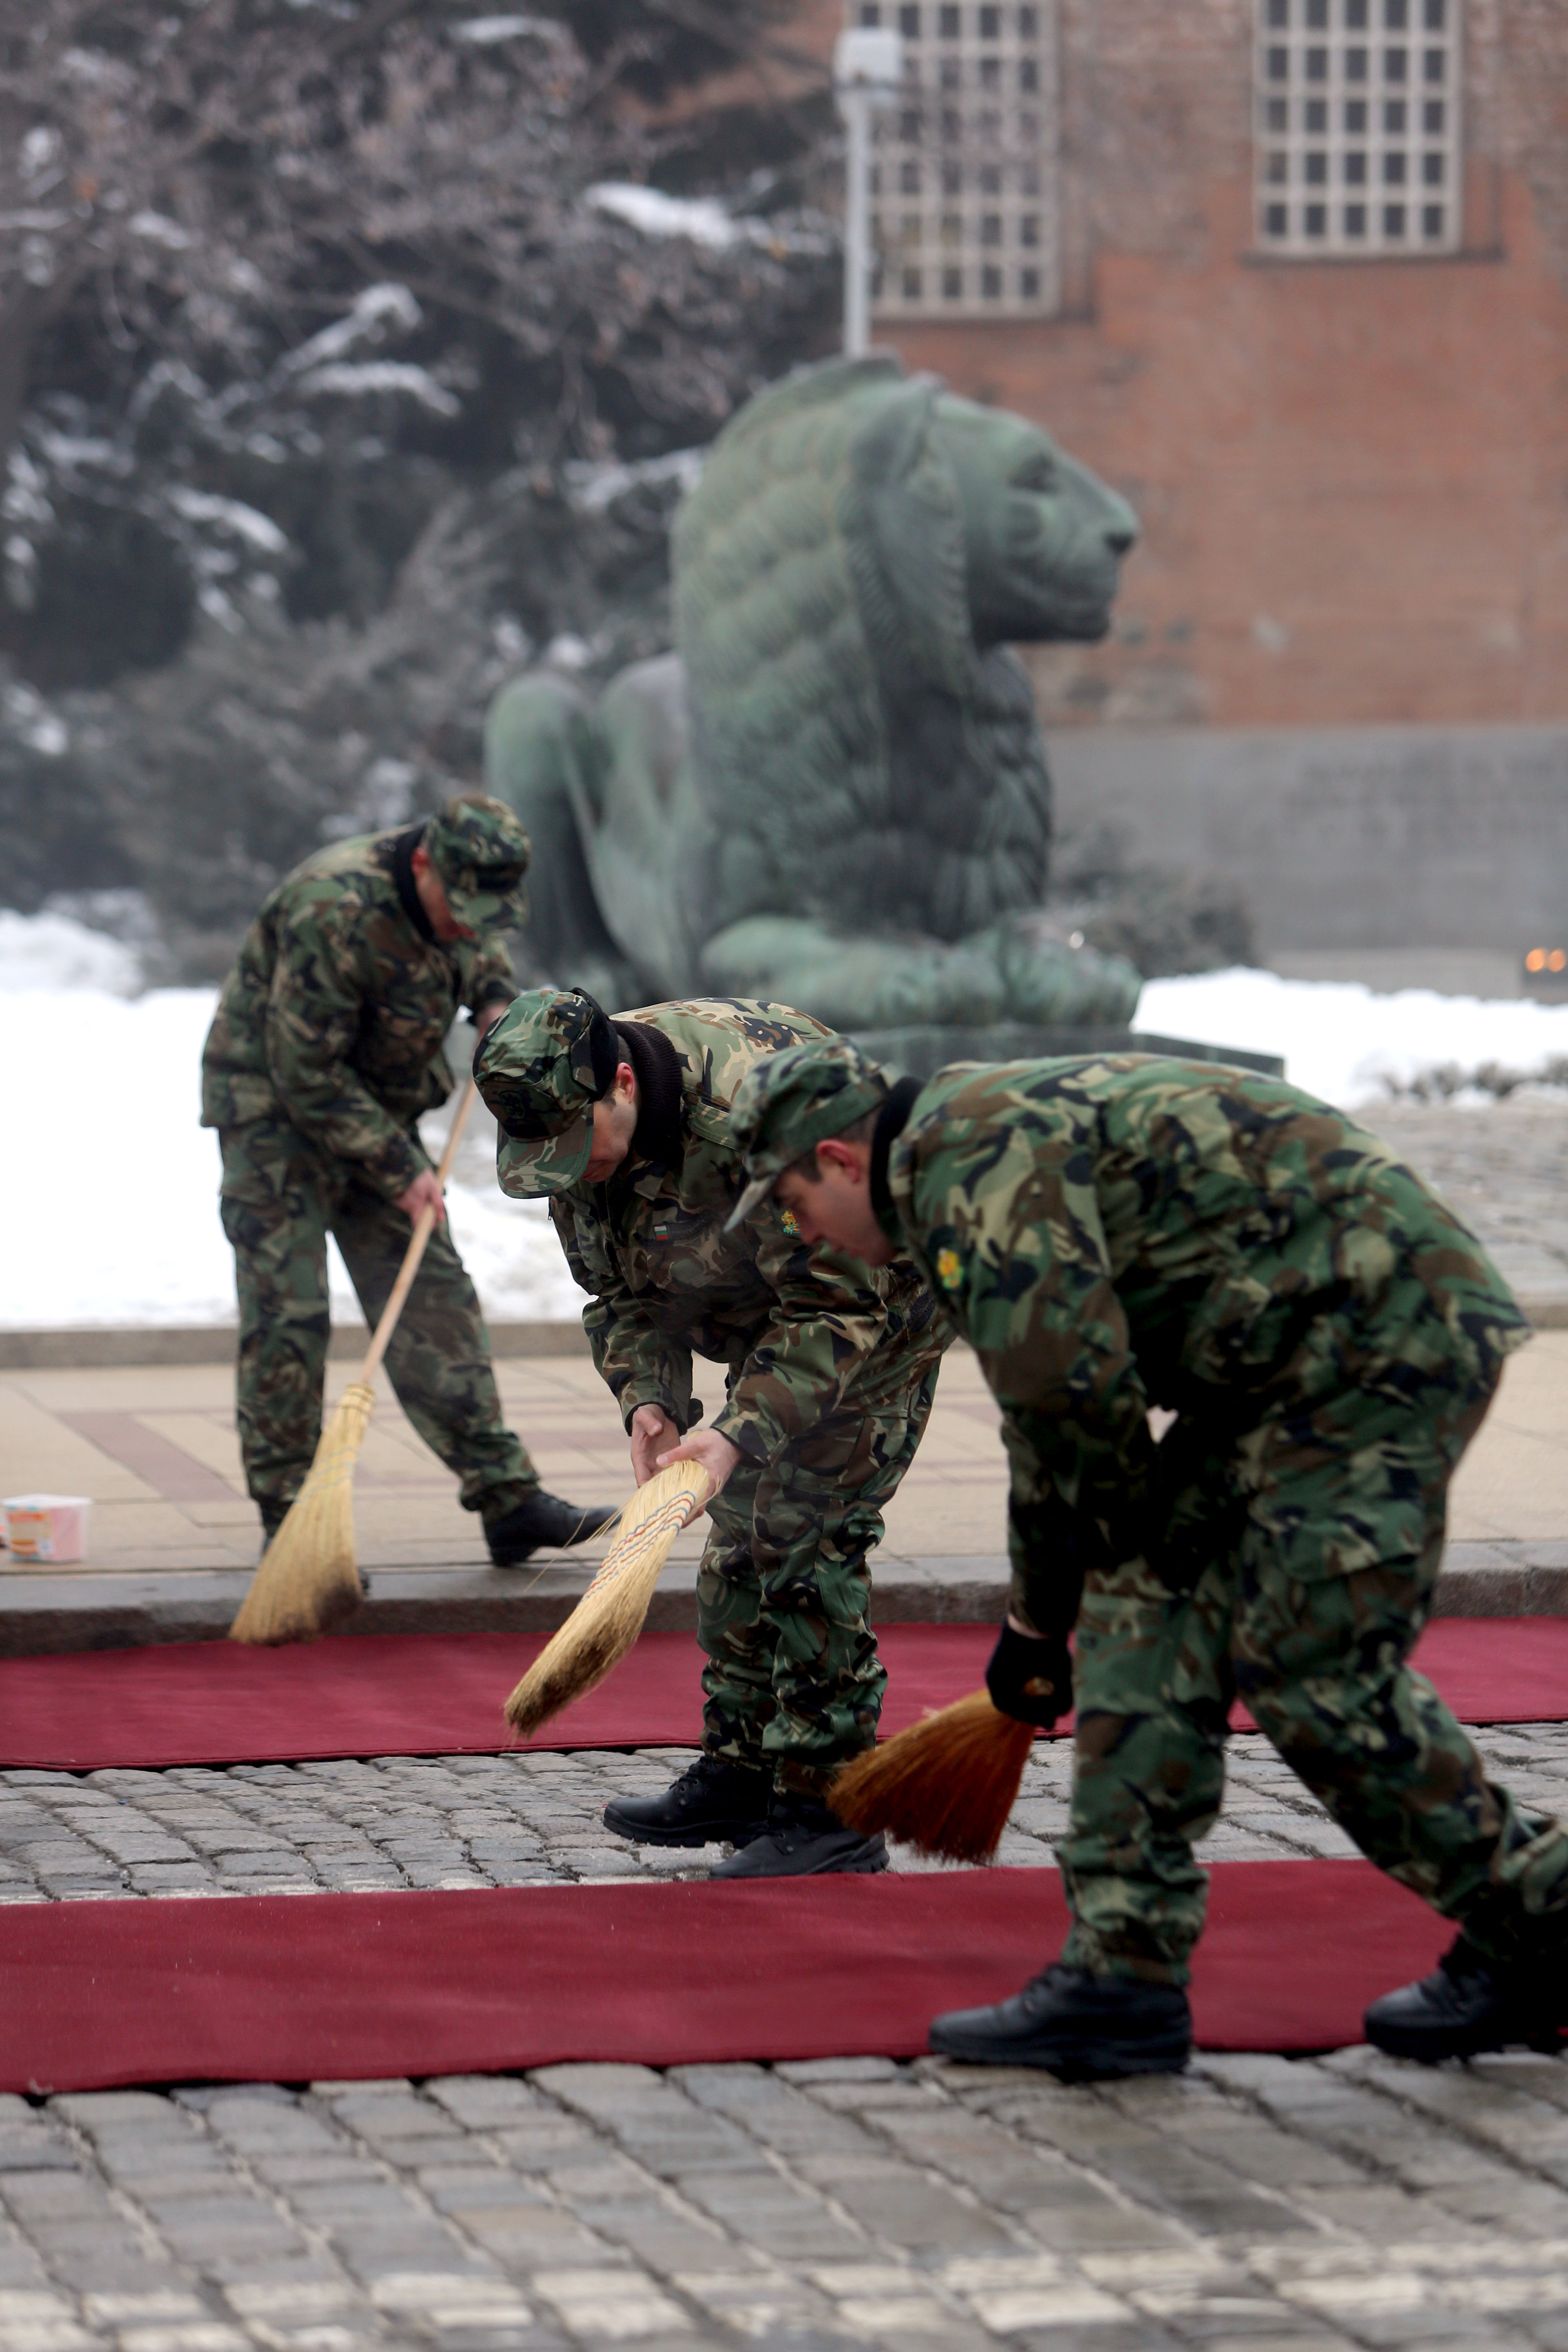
{"x": 949, "y": 1269}
{"x": 790, "y": 1224}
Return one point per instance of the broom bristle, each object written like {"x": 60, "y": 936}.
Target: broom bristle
{"x": 308, "y": 1581}
{"x": 609, "y": 1617}
{"x": 946, "y": 1786}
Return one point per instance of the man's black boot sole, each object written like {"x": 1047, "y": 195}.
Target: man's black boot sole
{"x": 729, "y": 1833}
{"x": 1071, "y": 2057}
{"x": 517, "y": 1550}
{"x": 862, "y": 1861}
{"x": 1470, "y": 2005}
{"x": 1075, "y": 2026}
{"x": 1432, "y": 2045}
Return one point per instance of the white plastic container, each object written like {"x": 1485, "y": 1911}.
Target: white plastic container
{"x": 48, "y": 1529}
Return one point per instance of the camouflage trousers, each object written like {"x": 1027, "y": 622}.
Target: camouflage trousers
{"x": 793, "y": 1683}
{"x": 1328, "y": 1533}
{"x": 281, "y": 1198}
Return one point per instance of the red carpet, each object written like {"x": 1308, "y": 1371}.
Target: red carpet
{"x": 387, "y": 1694}
{"x": 291, "y": 1988}
{"x": 435, "y": 1694}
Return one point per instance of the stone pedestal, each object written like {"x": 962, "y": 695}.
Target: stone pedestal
{"x": 920, "y": 1053}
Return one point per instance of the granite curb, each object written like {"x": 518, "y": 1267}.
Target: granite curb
{"x": 93, "y": 1347}
{"x": 114, "y": 1346}
{"x": 48, "y": 1615}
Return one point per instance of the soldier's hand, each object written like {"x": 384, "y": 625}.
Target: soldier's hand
{"x": 650, "y": 1430}
{"x": 1030, "y": 1675}
{"x": 423, "y": 1194}
{"x": 716, "y": 1454}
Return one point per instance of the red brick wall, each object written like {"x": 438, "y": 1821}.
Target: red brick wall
{"x": 1353, "y": 476}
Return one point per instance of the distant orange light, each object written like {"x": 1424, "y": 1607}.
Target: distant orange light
{"x": 1536, "y": 960}
{"x": 1557, "y": 960}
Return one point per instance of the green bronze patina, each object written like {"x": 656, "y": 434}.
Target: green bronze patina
{"x": 835, "y": 794}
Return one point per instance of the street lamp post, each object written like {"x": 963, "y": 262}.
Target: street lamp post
{"x": 867, "y": 71}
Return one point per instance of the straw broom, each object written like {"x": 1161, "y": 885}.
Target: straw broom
{"x": 946, "y": 1786}
{"x": 609, "y": 1617}
{"x": 308, "y": 1581}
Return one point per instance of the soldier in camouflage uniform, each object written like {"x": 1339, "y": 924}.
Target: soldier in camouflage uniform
{"x": 1118, "y": 1233}
{"x": 325, "y": 1048}
{"x": 830, "y": 1371}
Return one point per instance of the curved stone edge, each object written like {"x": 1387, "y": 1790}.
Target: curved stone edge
{"x": 50, "y": 1614}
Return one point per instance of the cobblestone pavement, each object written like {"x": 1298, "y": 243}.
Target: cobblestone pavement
{"x": 1502, "y": 1168}
{"x": 529, "y": 1820}
{"x": 1257, "y": 2204}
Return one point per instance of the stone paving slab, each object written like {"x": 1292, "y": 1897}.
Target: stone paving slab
{"x": 174, "y": 1539}
{"x": 156, "y": 1448}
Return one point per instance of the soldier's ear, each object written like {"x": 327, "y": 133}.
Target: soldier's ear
{"x": 840, "y": 1152}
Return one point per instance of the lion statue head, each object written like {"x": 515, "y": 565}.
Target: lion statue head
{"x": 833, "y": 792}
{"x": 1043, "y": 537}
{"x": 861, "y": 550}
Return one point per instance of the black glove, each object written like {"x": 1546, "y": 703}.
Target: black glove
{"x": 1030, "y": 1676}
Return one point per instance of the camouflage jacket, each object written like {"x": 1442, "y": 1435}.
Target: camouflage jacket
{"x": 793, "y": 1326}
{"x": 1120, "y": 1232}
{"x": 337, "y": 1008}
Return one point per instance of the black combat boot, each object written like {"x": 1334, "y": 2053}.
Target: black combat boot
{"x": 801, "y": 1839}
{"x": 1470, "y": 2004}
{"x": 1078, "y": 2026}
{"x": 542, "y": 1522}
{"x": 713, "y": 1802}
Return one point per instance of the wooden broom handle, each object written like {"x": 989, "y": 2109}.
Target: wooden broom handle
{"x": 425, "y": 1225}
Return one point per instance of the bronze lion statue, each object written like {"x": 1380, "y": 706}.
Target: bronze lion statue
{"x": 834, "y": 794}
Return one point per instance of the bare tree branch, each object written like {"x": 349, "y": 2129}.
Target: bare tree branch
{"x": 304, "y": 317}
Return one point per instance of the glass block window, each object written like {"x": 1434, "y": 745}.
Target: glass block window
{"x": 965, "y": 202}
{"x": 1357, "y": 127}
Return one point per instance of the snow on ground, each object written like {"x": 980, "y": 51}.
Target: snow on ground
{"x": 1343, "y": 1041}
{"x": 109, "y": 1187}
{"x": 43, "y": 953}
{"x": 511, "y": 1250}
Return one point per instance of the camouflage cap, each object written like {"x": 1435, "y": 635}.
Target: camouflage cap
{"x": 795, "y": 1099}
{"x": 480, "y": 853}
{"x": 543, "y": 1067}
